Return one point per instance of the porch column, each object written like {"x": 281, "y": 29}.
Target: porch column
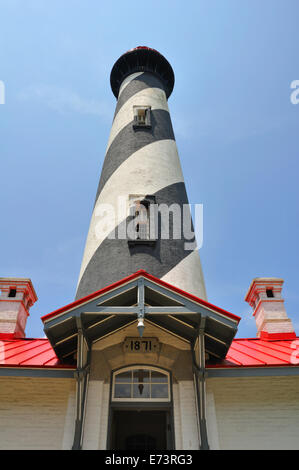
{"x": 82, "y": 376}
{"x": 198, "y": 354}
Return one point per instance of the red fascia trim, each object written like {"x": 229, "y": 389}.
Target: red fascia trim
{"x": 130, "y": 278}
{"x": 277, "y": 336}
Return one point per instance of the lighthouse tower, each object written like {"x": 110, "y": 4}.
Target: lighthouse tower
{"x": 141, "y": 208}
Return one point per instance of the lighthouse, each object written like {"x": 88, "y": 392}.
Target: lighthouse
{"x": 141, "y": 207}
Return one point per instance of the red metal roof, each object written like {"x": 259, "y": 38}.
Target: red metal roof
{"x": 29, "y": 353}
{"x": 254, "y": 352}
{"x": 251, "y": 352}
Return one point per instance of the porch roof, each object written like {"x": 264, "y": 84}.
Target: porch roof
{"x": 118, "y": 305}
{"x": 144, "y": 274}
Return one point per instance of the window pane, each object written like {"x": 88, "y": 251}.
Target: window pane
{"x": 141, "y": 391}
{"x": 141, "y": 384}
{"x": 159, "y": 391}
{"x": 122, "y": 391}
{"x": 158, "y": 377}
{"x": 124, "y": 377}
{"x": 141, "y": 375}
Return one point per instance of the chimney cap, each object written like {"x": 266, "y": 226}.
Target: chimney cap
{"x": 18, "y": 281}
{"x": 262, "y": 281}
{"x": 142, "y": 59}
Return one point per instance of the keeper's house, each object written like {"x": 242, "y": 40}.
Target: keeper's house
{"x": 141, "y": 359}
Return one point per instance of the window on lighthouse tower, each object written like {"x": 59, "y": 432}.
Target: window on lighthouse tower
{"x": 142, "y": 117}
{"x": 141, "y": 227}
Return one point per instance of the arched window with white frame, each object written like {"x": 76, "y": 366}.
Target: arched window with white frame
{"x": 141, "y": 383}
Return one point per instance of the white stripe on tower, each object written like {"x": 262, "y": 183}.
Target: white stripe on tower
{"x": 139, "y": 162}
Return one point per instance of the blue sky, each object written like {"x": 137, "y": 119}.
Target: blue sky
{"x": 235, "y": 126}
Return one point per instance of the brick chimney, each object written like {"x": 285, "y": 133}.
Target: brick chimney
{"x": 264, "y": 296}
{"x": 16, "y": 297}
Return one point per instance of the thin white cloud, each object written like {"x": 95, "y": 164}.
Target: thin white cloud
{"x": 65, "y": 101}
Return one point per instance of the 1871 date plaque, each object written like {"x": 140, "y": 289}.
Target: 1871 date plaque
{"x": 142, "y": 345}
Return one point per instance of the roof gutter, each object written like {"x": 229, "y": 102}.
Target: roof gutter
{"x": 61, "y": 373}
{"x": 279, "y": 371}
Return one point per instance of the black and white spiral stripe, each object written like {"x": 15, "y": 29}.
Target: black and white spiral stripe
{"x": 145, "y": 162}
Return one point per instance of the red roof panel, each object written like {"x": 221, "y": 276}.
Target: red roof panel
{"x": 279, "y": 346}
{"x": 28, "y": 353}
{"x": 43, "y": 358}
{"x": 21, "y": 350}
{"x": 13, "y": 344}
{"x": 253, "y": 352}
{"x": 263, "y": 348}
{"x": 243, "y": 359}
